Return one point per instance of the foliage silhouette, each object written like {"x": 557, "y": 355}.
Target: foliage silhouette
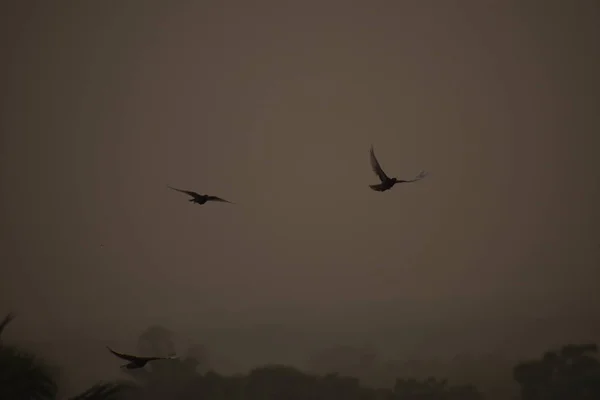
{"x": 431, "y": 388}
{"x": 181, "y": 379}
{"x": 571, "y": 373}
{"x": 156, "y": 340}
{"x": 24, "y": 376}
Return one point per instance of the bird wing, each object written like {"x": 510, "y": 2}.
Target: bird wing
{"x": 5, "y": 321}
{"x": 377, "y": 167}
{"x": 215, "y": 198}
{"x": 421, "y": 175}
{"x": 188, "y": 192}
{"x": 128, "y": 357}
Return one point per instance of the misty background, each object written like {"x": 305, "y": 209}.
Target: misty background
{"x": 273, "y": 105}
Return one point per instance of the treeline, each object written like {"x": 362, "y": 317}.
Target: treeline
{"x": 572, "y": 372}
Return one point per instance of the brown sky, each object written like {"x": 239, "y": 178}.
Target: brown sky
{"x": 274, "y": 105}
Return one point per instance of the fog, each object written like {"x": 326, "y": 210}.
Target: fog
{"x": 274, "y": 105}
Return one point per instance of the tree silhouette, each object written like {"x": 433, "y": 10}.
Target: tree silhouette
{"x": 278, "y": 382}
{"x": 167, "y": 378}
{"x": 24, "y": 376}
{"x": 198, "y": 356}
{"x": 157, "y": 341}
{"x": 345, "y": 360}
{"x": 183, "y": 379}
{"x": 434, "y": 389}
{"x": 571, "y": 373}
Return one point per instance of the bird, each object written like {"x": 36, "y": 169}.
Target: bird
{"x": 9, "y": 317}
{"x": 138, "y": 362}
{"x": 386, "y": 182}
{"x": 200, "y": 198}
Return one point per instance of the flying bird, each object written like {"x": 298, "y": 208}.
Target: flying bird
{"x": 138, "y": 362}
{"x": 386, "y": 182}
{"x": 9, "y": 317}
{"x": 200, "y": 198}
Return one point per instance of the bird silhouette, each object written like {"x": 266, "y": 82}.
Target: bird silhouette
{"x": 386, "y": 182}
{"x": 200, "y": 198}
{"x": 137, "y": 362}
{"x": 9, "y": 317}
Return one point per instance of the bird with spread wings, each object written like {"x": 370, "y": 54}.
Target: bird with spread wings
{"x": 386, "y": 182}
{"x": 138, "y": 362}
{"x": 200, "y": 198}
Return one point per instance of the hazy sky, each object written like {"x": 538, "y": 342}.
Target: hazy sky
{"x": 273, "y": 105}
